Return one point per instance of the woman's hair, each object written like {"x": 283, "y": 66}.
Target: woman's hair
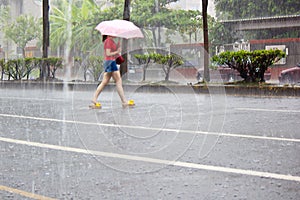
{"x": 104, "y": 37}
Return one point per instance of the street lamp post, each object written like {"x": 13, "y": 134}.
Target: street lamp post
{"x": 205, "y": 35}
{"x": 124, "y": 65}
{"x": 45, "y": 35}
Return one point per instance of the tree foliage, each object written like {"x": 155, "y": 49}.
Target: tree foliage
{"x": 219, "y": 34}
{"x": 23, "y": 30}
{"x": 4, "y": 16}
{"x": 250, "y": 65}
{"x": 79, "y": 22}
{"x": 241, "y": 9}
{"x": 153, "y": 15}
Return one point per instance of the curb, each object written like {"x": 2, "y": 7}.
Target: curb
{"x": 236, "y": 90}
{"x": 264, "y": 91}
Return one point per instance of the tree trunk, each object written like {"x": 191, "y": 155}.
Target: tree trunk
{"x": 144, "y": 73}
{"x": 23, "y": 52}
{"x": 157, "y": 9}
{"x": 153, "y": 29}
{"x": 205, "y": 35}
{"x": 168, "y": 74}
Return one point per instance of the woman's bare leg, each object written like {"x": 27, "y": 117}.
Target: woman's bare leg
{"x": 105, "y": 80}
{"x": 117, "y": 77}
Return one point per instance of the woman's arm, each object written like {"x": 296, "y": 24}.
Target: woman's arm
{"x": 114, "y": 53}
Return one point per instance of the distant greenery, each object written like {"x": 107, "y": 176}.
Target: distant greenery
{"x": 23, "y": 30}
{"x": 245, "y": 9}
{"x": 4, "y": 16}
{"x": 250, "y": 65}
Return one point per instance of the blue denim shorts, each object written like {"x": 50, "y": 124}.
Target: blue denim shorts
{"x": 110, "y": 66}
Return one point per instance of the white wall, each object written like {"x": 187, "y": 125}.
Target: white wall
{"x": 195, "y": 5}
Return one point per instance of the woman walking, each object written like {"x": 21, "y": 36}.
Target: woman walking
{"x": 111, "y": 52}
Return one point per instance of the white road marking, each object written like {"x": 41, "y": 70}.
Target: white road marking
{"x": 268, "y": 110}
{"x": 35, "y": 99}
{"x": 155, "y": 129}
{"x": 155, "y": 160}
{"x": 24, "y": 193}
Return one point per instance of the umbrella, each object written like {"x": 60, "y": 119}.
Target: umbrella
{"x": 120, "y": 28}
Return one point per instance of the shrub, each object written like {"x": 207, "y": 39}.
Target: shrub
{"x": 15, "y": 69}
{"x": 18, "y": 69}
{"x": 2, "y": 62}
{"x": 250, "y": 65}
{"x": 53, "y": 63}
{"x": 95, "y": 66}
{"x": 168, "y": 62}
{"x": 144, "y": 60}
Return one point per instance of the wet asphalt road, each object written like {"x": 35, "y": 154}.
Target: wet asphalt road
{"x": 169, "y": 146}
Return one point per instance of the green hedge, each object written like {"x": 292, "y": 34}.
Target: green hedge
{"x": 18, "y": 69}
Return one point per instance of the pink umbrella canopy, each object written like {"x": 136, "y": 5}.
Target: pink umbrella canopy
{"x": 119, "y": 28}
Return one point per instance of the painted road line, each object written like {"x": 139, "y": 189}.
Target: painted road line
{"x": 268, "y": 110}
{"x": 154, "y": 129}
{"x": 24, "y": 193}
{"x": 35, "y": 99}
{"x": 155, "y": 160}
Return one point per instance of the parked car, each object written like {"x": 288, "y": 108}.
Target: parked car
{"x": 291, "y": 75}
{"x": 229, "y": 75}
